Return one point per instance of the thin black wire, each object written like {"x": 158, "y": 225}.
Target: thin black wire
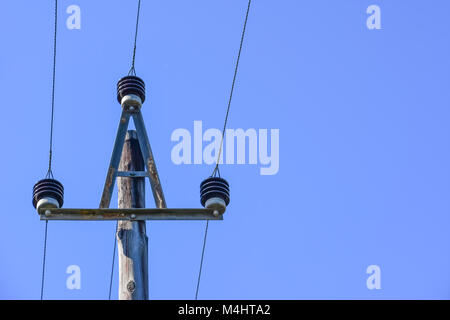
{"x": 201, "y": 262}
{"x": 216, "y": 169}
{"x": 49, "y": 171}
{"x": 50, "y": 153}
{"x": 43, "y": 261}
{"x": 132, "y": 70}
{"x": 113, "y": 260}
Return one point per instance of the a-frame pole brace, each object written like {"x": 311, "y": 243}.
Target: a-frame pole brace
{"x": 147, "y": 154}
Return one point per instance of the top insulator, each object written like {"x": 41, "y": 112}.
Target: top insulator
{"x": 48, "y": 193}
{"x": 130, "y": 85}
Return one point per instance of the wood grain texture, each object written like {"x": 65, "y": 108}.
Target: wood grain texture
{"x": 131, "y": 235}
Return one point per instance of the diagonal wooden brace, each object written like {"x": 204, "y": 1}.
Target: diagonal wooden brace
{"x": 146, "y": 150}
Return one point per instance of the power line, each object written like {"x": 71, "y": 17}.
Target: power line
{"x": 216, "y": 169}
{"x": 43, "y": 260}
{"x": 49, "y": 171}
{"x": 132, "y": 70}
{"x": 201, "y": 261}
{"x": 50, "y": 153}
{"x": 112, "y": 267}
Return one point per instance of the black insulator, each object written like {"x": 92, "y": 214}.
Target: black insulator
{"x": 50, "y": 188}
{"x": 214, "y": 187}
{"x": 130, "y": 85}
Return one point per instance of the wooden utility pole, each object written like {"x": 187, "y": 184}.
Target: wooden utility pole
{"x": 131, "y": 163}
{"x": 131, "y": 235}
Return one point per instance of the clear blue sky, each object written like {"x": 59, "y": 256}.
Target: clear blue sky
{"x": 363, "y": 116}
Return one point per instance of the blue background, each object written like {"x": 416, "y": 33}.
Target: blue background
{"x": 364, "y": 145}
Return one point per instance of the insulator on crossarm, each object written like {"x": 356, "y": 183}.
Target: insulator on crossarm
{"x": 215, "y": 194}
{"x": 48, "y": 193}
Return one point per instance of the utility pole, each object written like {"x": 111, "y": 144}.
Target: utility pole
{"x": 131, "y": 162}
{"x": 131, "y": 235}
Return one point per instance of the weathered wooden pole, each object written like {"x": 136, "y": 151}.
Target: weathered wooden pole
{"x": 131, "y": 235}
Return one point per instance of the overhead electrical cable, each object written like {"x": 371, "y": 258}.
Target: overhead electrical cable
{"x": 49, "y": 174}
{"x": 50, "y": 153}
{"x": 216, "y": 168}
{"x": 43, "y": 260}
{"x": 112, "y": 267}
{"x": 132, "y": 70}
{"x": 201, "y": 261}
